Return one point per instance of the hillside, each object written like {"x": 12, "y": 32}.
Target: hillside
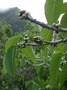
{"x": 11, "y": 17}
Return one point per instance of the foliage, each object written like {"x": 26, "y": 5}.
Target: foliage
{"x": 47, "y": 63}
{"x": 5, "y": 33}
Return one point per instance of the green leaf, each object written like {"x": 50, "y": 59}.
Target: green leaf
{"x": 54, "y": 69}
{"x": 64, "y": 21}
{"x": 30, "y": 53}
{"x": 41, "y": 82}
{"x": 4, "y": 66}
{"x": 32, "y": 85}
{"x": 22, "y": 62}
{"x": 46, "y": 34}
{"x": 61, "y": 47}
{"x": 64, "y": 25}
{"x": 10, "y": 60}
{"x": 63, "y": 74}
{"x": 53, "y": 10}
{"x": 11, "y": 42}
{"x": 64, "y": 9}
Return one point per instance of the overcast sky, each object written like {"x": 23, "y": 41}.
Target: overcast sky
{"x": 35, "y": 7}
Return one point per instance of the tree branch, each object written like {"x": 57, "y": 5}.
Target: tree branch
{"x": 43, "y": 43}
{"x": 25, "y": 15}
{"x": 46, "y": 25}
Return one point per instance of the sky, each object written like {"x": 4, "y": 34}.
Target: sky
{"x": 35, "y": 7}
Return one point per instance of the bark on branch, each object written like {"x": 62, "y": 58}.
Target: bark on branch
{"x": 46, "y": 25}
{"x": 43, "y": 43}
{"x": 25, "y": 15}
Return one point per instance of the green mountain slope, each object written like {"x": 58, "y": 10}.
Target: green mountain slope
{"x": 12, "y": 18}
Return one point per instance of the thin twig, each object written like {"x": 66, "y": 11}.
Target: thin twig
{"x": 54, "y": 36}
{"x": 40, "y": 64}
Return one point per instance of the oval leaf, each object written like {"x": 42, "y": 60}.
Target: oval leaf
{"x": 11, "y": 42}
{"x": 54, "y": 69}
{"x": 10, "y": 60}
{"x": 46, "y": 34}
{"x": 30, "y": 53}
{"x": 53, "y": 10}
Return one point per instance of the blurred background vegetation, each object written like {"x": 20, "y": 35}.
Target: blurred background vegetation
{"x": 11, "y": 17}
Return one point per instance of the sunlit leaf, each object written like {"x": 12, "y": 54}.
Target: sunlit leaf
{"x": 11, "y": 42}
{"x": 30, "y": 53}
{"x": 54, "y": 69}
{"x": 46, "y": 34}
{"x": 53, "y": 10}
{"x": 62, "y": 47}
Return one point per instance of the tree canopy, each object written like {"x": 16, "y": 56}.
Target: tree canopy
{"x": 39, "y": 53}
